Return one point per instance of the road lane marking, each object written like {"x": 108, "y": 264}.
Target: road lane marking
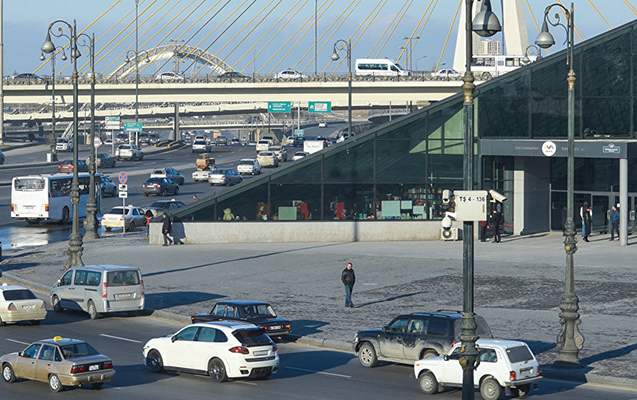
{"x": 120, "y": 338}
{"x": 17, "y": 341}
{"x": 319, "y": 372}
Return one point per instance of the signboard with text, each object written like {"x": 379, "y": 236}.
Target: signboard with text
{"x": 132, "y": 126}
{"x": 112, "y": 123}
{"x": 319, "y": 107}
{"x": 471, "y": 205}
{"x": 279, "y": 106}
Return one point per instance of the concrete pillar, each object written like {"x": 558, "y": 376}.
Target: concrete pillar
{"x": 623, "y": 201}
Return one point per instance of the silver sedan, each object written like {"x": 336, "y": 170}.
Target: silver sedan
{"x": 224, "y": 176}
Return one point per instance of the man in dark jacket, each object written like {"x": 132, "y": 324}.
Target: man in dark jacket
{"x": 614, "y": 222}
{"x": 348, "y": 278}
{"x": 166, "y": 228}
{"x": 498, "y": 219}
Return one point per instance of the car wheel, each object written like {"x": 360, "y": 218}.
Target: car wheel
{"x": 523, "y": 390}
{"x": 428, "y": 383}
{"x": 92, "y": 311}
{"x": 66, "y": 215}
{"x": 97, "y": 386}
{"x": 145, "y": 194}
{"x": 154, "y": 361}
{"x": 131, "y": 227}
{"x": 2, "y": 323}
{"x": 57, "y": 306}
{"x": 490, "y": 389}
{"x": 176, "y": 191}
{"x": 367, "y": 355}
{"x": 108, "y": 229}
{"x": 54, "y": 383}
{"x": 429, "y": 354}
{"x": 35, "y": 322}
{"x": 217, "y": 370}
{"x": 7, "y": 373}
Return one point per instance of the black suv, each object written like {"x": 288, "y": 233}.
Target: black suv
{"x": 411, "y": 337}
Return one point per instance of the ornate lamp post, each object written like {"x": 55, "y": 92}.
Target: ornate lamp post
{"x": 91, "y": 204}
{"x": 129, "y": 55}
{"x": 570, "y": 340}
{"x": 75, "y": 240}
{"x": 484, "y": 24}
{"x": 53, "y": 138}
{"x": 338, "y": 46}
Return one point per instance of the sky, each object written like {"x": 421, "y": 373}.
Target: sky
{"x": 25, "y": 24}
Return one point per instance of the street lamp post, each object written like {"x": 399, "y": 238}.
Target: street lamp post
{"x": 410, "y": 49}
{"x": 347, "y": 45}
{"x": 421, "y": 58}
{"x": 570, "y": 340}
{"x": 91, "y": 203}
{"x": 484, "y": 24}
{"x": 52, "y": 138}
{"x": 75, "y": 239}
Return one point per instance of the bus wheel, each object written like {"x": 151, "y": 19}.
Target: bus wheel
{"x": 66, "y": 215}
{"x": 33, "y": 221}
{"x": 486, "y": 76}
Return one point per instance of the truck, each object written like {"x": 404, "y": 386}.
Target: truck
{"x": 205, "y": 165}
{"x": 312, "y": 146}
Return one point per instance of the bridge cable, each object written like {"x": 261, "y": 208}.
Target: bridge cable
{"x": 576, "y": 30}
{"x": 453, "y": 23}
{"x": 337, "y": 29}
{"x": 413, "y": 34}
{"x": 220, "y": 35}
{"x": 323, "y": 11}
{"x": 397, "y": 24}
{"x": 631, "y": 7}
{"x": 600, "y": 14}
{"x": 385, "y": 32}
{"x": 290, "y": 9}
{"x": 180, "y": 47}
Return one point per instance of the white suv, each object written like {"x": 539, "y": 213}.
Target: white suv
{"x": 249, "y": 166}
{"x": 263, "y": 145}
{"x": 221, "y": 350}
{"x": 503, "y": 365}
{"x": 129, "y": 152}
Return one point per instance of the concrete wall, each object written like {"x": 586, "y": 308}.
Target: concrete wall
{"x": 299, "y": 231}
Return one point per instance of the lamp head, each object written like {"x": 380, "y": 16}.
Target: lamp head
{"x": 486, "y": 23}
{"x": 42, "y": 57}
{"x": 63, "y": 56}
{"x": 48, "y": 47}
{"x": 335, "y": 56}
{"x": 545, "y": 39}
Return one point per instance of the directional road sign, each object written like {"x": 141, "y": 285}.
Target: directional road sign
{"x": 97, "y": 142}
{"x": 123, "y": 177}
{"x": 113, "y": 123}
{"x": 319, "y": 107}
{"x": 279, "y": 106}
{"x": 132, "y": 126}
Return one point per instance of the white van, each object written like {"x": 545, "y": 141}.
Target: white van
{"x": 98, "y": 289}
{"x": 379, "y": 67}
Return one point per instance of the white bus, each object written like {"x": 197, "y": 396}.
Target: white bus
{"x": 379, "y": 67}
{"x": 36, "y": 198}
{"x": 487, "y": 67}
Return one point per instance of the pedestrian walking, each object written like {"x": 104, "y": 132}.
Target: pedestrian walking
{"x": 498, "y": 219}
{"x": 614, "y": 222}
{"x": 582, "y": 211}
{"x": 194, "y": 197}
{"x": 148, "y": 215}
{"x": 588, "y": 221}
{"x": 349, "y": 278}
{"x": 166, "y": 229}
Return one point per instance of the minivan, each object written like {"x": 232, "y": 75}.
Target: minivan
{"x": 99, "y": 289}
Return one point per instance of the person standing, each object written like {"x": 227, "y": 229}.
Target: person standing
{"x": 167, "y": 228}
{"x": 588, "y": 221}
{"x": 497, "y": 221}
{"x": 582, "y": 211}
{"x": 614, "y": 222}
{"x": 148, "y": 215}
{"x": 349, "y": 279}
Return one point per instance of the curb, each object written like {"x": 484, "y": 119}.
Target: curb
{"x": 340, "y": 345}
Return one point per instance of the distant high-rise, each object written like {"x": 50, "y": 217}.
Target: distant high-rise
{"x": 489, "y": 47}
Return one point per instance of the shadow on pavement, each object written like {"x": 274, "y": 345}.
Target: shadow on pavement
{"x": 320, "y": 360}
{"x": 622, "y": 351}
{"x": 304, "y": 327}
{"x": 161, "y": 300}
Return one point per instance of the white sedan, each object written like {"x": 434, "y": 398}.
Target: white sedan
{"x": 18, "y": 303}
{"x": 221, "y": 350}
{"x": 132, "y": 217}
{"x": 289, "y": 74}
{"x": 300, "y": 154}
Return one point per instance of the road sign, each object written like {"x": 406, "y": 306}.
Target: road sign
{"x": 132, "y": 126}
{"x": 279, "y": 106}
{"x": 97, "y": 142}
{"x": 322, "y": 107}
{"x": 123, "y": 187}
{"x": 299, "y": 132}
{"x": 123, "y": 177}
{"x": 112, "y": 123}
{"x": 471, "y": 205}
{"x": 123, "y": 195}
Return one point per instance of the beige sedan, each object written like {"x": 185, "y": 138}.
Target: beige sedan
{"x": 268, "y": 159}
{"x": 18, "y": 303}
{"x": 60, "y": 362}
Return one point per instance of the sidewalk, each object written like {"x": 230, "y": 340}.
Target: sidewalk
{"x": 518, "y": 285}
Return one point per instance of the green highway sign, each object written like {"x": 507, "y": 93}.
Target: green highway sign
{"x": 279, "y": 106}
{"x": 299, "y": 132}
{"x": 132, "y": 126}
{"x": 319, "y": 106}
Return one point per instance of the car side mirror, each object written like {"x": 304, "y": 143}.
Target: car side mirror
{"x": 173, "y": 338}
{"x": 20, "y": 354}
{"x": 446, "y": 357}
{"x": 58, "y": 283}
{"x": 385, "y": 328}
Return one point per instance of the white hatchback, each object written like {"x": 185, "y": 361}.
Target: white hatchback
{"x": 504, "y": 365}
{"x": 222, "y": 350}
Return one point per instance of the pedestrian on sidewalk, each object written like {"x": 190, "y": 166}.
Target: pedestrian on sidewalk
{"x": 614, "y": 222}
{"x": 348, "y": 278}
{"x": 498, "y": 219}
{"x": 148, "y": 215}
{"x": 167, "y": 228}
{"x": 582, "y": 211}
{"x": 588, "y": 221}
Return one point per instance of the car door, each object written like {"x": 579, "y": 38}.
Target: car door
{"x": 45, "y": 363}
{"x": 179, "y": 352}
{"x": 25, "y": 364}
{"x": 451, "y": 371}
{"x": 66, "y": 291}
{"x": 414, "y": 337}
{"x": 205, "y": 347}
{"x": 391, "y": 345}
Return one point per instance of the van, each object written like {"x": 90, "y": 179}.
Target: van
{"x": 99, "y": 289}
{"x": 64, "y": 145}
{"x": 379, "y": 67}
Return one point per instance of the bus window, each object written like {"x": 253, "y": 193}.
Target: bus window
{"x": 29, "y": 184}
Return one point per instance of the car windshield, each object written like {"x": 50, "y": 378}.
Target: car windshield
{"x": 159, "y": 204}
{"x": 117, "y": 210}
{"x": 222, "y": 171}
{"x": 260, "y": 311}
{"x": 159, "y": 172}
{"x": 519, "y": 354}
{"x": 76, "y": 350}
{"x": 155, "y": 180}
{"x": 18, "y": 294}
{"x": 252, "y": 337}
{"x": 122, "y": 278}
{"x": 246, "y": 162}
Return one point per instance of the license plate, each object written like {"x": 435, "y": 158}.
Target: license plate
{"x": 28, "y": 308}
{"x": 29, "y": 207}
{"x": 275, "y": 327}
{"x": 260, "y": 353}
{"x": 124, "y": 296}
{"x": 94, "y": 367}
{"x": 526, "y": 371}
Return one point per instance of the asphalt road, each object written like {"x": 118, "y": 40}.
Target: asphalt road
{"x": 305, "y": 372}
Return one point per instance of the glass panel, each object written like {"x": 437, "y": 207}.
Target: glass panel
{"x": 503, "y": 117}
{"x": 447, "y": 121}
{"x": 509, "y": 85}
{"x": 549, "y": 117}
{"x": 603, "y": 117}
{"x": 619, "y": 41}
{"x": 412, "y": 127}
{"x": 445, "y": 160}
{"x": 305, "y": 199}
{"x": 401, "y": 201}
{"x": 401, "y": 160}
{"x": 354, "y": 162}
{"x": 348, "y": 202}
{"x": 548, "y": 77}
{"x": 307, "y": 170}
{"x": 605, "y": 75}
{"x": 243, "y": 205}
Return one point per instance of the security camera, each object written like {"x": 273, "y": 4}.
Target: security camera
{"x": 446, "y": 223}
{"x": 497, "y": 196}
{"x": 446, "y": 196}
